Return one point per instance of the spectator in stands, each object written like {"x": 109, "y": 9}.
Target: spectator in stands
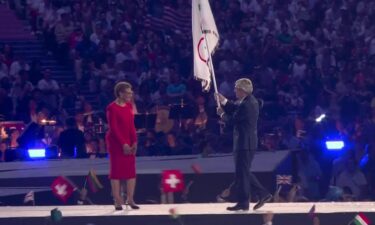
{"x": 176, "y": 89}
{"x": 35, "y": 72}
{"x": 368, "y": 168}
{"x": 3, "y": 70}
{"x": 47, "y": 83}
{"x": 21, "y": 91}
{"x": 63, "y": 31}
{"x": 310, "y": 174}
{"x": 6, "y": 105}
{"x": 17, "y": 65}
{"x": 353, "y": 178}
{"x": 7, "y": 55}
{"x": 49, "y": 88}
{"x": 29, "y": 113}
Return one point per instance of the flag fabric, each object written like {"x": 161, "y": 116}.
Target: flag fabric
{"x": 173, "y": 213}
{"x": 283, "y": 179}
{"x": 186, "y": 191}
{"x": 169, "y": 19}
{"x": 93, "y": 181}
{"x": 361, "y": 219}
{"x": 205, "y": 40}
{"x": 312, "y": 211}
{"x": 196, "y": 168}
{"x": 172, "y": 181}
{"x": 62, "y": 188}
{"x": 29, "y": 197}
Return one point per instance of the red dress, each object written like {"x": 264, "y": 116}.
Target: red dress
{"x": 121, "y": 131}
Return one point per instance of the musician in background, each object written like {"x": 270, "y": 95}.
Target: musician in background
{"x": 89, "y": 116}
{"x": 3, "y": 148}
{"x": 33, "y": 134}
{"x": 79, "y": 121}
{"x": 93, "y": 124}
{"x": 14, "y": 135}
{"x": 71, "y": 141}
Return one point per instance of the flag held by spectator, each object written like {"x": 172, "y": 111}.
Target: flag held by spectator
{"x": 361, "y": 219}
{"x": 205, "y": 40}
{"x": 172, "y": 181}
{"x": 312, "y": 213}
{"x": 93, "y": 181}
{"x": 173, "y": 213}
{"x": 62, "y": 188}
{"x": 29, "y": 197}
{"x": 283, "y": 179}
{"x": 196, "y": 168}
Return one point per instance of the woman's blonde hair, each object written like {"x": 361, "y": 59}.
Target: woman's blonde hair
{"x": 121, "y": 87}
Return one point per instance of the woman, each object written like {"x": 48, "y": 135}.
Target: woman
{"x": 121, "y": 141}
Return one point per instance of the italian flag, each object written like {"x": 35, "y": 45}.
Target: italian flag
{"x": 361, "y": 219}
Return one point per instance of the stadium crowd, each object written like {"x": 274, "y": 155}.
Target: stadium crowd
{"x": 305, "y": 57}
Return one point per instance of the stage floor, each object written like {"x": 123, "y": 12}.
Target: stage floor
{"x": 292, "y": 213}
{"x": 216, "y": 174}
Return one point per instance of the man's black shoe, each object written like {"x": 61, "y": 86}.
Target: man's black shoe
{"x": 238, "y": 207}
{"x": 262, "y": 201}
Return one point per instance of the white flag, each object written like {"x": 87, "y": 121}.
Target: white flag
{"x": 205, "y": 40}
{"x": 29, "y": 197}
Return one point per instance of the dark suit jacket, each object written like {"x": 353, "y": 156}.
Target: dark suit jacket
{"x": 244, "y": 118}
{"x": 30, "y": 135}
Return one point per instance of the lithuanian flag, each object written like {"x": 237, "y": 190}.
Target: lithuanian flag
{"x": 93, "y": 181}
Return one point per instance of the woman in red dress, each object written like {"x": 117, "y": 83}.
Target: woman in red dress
{"x": 121, "y": 140}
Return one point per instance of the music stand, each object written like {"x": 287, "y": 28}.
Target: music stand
{"x": 145, "y": 121}
{"x": 179, "y": 111}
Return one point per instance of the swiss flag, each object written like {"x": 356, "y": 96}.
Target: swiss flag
{"x": 173, "y": 181}
{"x": 62, "y": 188}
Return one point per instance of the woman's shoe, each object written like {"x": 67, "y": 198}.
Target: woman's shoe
{"x": 118, "y": 206}
{"x": 132, "y": 206}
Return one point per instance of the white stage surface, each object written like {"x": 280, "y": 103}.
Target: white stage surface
{"x": 191, "y": 214}
{"x": 187, "y": 209}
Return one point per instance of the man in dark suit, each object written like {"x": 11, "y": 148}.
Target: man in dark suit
{"x": 243, "y": 115}
{"x": 72, "y": 141}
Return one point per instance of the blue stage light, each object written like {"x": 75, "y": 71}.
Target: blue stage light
{"x": 37, "y": 153}
{"x": 336, "y": 145}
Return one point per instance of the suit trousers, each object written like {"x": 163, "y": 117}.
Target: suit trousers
{"x": 245, "y": 181}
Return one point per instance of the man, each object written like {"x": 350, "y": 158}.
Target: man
{"x": 72, "y": 141}
{"x": 243, "y": 115}
{"x": 33, "y": 134}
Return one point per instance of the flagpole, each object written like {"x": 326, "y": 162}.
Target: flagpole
{"x": 210, "y": 64}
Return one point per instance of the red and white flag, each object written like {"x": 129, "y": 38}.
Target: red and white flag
{"x": 205, "y": 40}
{"x": 172, "y": 181}
{"x": 62, "y": 188}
